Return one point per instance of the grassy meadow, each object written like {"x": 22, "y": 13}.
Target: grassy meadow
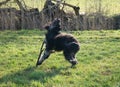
{"x": 98, "y": 61}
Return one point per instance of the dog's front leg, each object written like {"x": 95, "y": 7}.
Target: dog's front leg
{"x": 43, "y": 56}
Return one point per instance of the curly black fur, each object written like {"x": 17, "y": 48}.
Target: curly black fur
{"x": 55, "y": 40}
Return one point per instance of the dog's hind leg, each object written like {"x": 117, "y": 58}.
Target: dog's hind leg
{"x": 70, "y": 51}
{"x": 70, "y": 57}
{"x": 43, "y": 57}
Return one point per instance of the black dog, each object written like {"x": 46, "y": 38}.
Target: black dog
{"x": 57, "y": 41}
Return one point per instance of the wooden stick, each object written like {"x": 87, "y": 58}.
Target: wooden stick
{"x": 41, "y": 50}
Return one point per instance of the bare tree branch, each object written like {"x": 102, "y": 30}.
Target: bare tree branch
{"x": 75, "y": 8}
{"x": 21, "y": 4}
{"x": 4, "y": 2}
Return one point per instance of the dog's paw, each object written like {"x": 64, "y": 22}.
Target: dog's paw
{"x": 73, "y": 66}
{"x": 38, "y": 63}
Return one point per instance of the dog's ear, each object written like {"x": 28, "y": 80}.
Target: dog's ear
{"x": 47, "y": 27}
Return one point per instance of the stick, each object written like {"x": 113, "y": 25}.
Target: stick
{"x": 41, "y": 50}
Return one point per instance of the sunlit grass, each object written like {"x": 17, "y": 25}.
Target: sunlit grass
{"x": 98, "y": 58}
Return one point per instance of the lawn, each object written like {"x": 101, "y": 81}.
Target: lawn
{"x": 98, "y": 61}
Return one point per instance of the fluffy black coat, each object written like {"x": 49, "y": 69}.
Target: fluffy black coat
{"x": 55, "y": 40}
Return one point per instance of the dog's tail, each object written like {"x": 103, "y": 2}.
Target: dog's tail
{"x": 73, "y": 47}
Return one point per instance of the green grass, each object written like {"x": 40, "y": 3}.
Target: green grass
{"x": 99, "y": 61}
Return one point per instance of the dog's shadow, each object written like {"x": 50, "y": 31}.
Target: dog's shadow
{"x": 31, "y": 74}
